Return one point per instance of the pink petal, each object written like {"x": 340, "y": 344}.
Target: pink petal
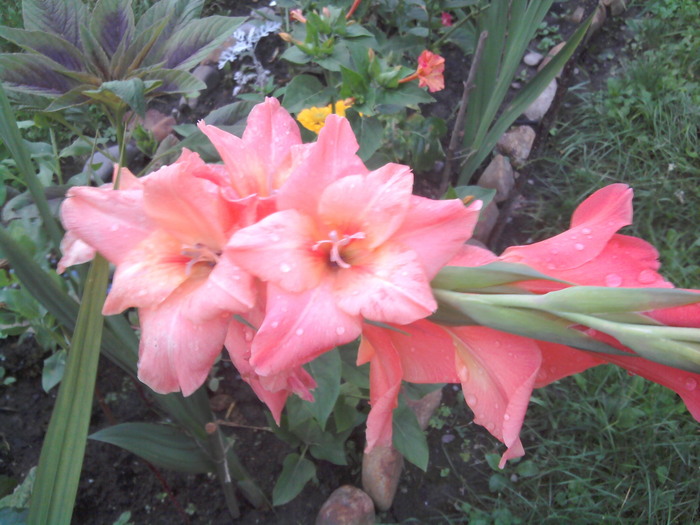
{"x": 391, "y": 287}
{"x": 374, "y": 204}
{"x": 470, "y": 255}
{"x": 595, "y": 222}
{"x": 278, "y": 249}
{"x": 384, "y": 383}
{"x": 298, "y": 327}
{"x": 110, "y": 221}
{"x": 186, "y": 206}
{"x": 331, "y": 157}
{"x": 74, "y": 252}
{"x": 437, "y": 230}
{"x": 228, "y": 289}
{"x": 560, "y": 361}
{"x": 175, "y": 353}
{"x": 497, "y": 371}
{"x": 149, "y": 274}
{"x": 238, "y": 341}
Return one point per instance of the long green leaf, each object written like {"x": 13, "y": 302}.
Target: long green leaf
{"x": 61, "y": 457}
{"x": 164, "y": 446}
{"x": 13, "y": 140}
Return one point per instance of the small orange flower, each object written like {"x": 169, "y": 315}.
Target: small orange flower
{"x": 430, "y": 72}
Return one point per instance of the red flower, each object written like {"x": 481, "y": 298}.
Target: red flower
{"x": 446, "y": 19}
{"x": 429, "y": 73}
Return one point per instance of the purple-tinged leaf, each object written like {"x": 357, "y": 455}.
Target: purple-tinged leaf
{"x": 33, "y": 74}
{"x": 71, "y": 99}
{"x": 112, "y": 24}
{"x": 175, "y": 81}
{"x": 178, "y": 13}
{"x": 192, "y": 44}
{"x": 98, "y": 61}
{"x": 58, "y": 17}
{"x": 54, "y": 47}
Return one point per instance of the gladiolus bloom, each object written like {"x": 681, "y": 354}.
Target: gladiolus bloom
{"x": 341, "y": 249}
{"x": 166, "y": 237}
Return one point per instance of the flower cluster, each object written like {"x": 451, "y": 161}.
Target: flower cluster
{"x": 287, "y": 250}
{"x": 278, "y": 254}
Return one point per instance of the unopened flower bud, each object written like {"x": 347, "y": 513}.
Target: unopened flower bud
{"x": 286, "y": 37}
{"x": 210, "y": 427}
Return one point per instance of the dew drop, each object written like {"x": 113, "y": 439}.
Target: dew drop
{"x": 554, "y": 251}
{"x": 551, "y": 266}
{"x": 506, "y": 417}
{"x": 578, "y": 246}
{"x": 340, "y": 330}
{"x": 141, "y": 293}
{"x": 285, "y": 268}
{"x": 691, "y": 384}
{"x": 586, "y": 231}
{"x": 300, "y": 331}
{"x": 248, "y": 335}
{"x": 275, "y": 238}
{"x": 114, "y": 227}
{"x": 236, "y": 277}
{"x": 274, "y": 324}
{"x": 613, "y": 280}
{"x": 647, "y": 276}
{"x": 490, "y": 427}
{"x": 471, "y": 400}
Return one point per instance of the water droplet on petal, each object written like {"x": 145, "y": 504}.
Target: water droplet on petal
{"x": 340, "y": 330}
{"x": 578, "y": 246}
{"x": 551, "y": 266}
{"x": 300, "y": 331}
{"x": 285, "y": 268}
{"x": 114, "y": 227}
{"x": 647, "y": 276}
{"x": 248, "y": 335}
{"x": 274, "y": 324}
{"x": 613, "y": 280}
{"x": 506, "y": 417}
{"x": 471, "y": 400}
{"x": 691, "y": 384}
{"x": 274, "y": 237}
{"x": 554, "y": 251}
{"x": 586, "y": 231}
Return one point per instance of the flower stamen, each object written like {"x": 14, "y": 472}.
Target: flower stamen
{"x": 199, "y": 253}
{"x": 336, "y": 244}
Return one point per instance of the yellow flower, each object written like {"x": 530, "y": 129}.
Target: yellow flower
{"x": 314, "y": 118}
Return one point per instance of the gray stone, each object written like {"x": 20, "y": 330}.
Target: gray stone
{"x": 487, "y": 220}
{"x": 347, "y": 505}
{"x": 516, "y": 144}
{"x": 498, "y": 176}
{"x": 381, "y": 470}
{"x": 424, "y": 407}
{"x": 541, "y": 105}
{"x": 532, "y": 58}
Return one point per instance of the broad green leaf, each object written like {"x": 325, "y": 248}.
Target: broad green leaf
{"x": 369, "y": 132}
{"x": 296, "y": 473}
{"x": 59, "y": 17}
{"x": 112, "y": 24}
{"x": 34, "y": 74}
{"x": 408, "y": 94}
{"x": 51, "y": 46}
{"x": 176, "y": 13}
{"x": 22, "y": 494}
{"x": 132, "y": 92}
{"x": 162, "y": 445}
{"x": 54, "y": 368}
{"x": 305, "y": 91}
{"x": 174, "y": 81}
{"x": 409, "y": 439}
{"x": 191, "y": 44}
{"x": 485, "y": 195}
{"x": 61, "y": 457}
{"x": 325, "y": 369}
{"x": 229, "y": 114}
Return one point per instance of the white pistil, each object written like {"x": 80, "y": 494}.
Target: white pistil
{"x": 336, "y": 244}
{"x": 199, "y": 253}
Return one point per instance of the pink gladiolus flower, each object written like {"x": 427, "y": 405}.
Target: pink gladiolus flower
{"x": 496, "y": 383}
{"x": 166, "y": 236}
{"x": 346, "y": 244}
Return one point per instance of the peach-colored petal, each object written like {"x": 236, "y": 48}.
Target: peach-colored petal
{"x": 391, "y": 287}
{"x": 148, "y": 274}
{"x": 279, "y": 249}
{"x": 110, "y": 221}
{"x": 603, "y": 213}
{"x": 299, "y": 327}
{"x": 74, "y": 252}
{"x": 560, "y": 361}
{"x": 331, "y": 157}
{"x": 497, "y": 372}
{"x": 375, "y": 204}
{"x": 175, "y": 353}
{"x": 188, "y": 207}
{"x": 273, "y": 390}
{"x": 436, "y": 230}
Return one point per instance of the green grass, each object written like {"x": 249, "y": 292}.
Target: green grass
{"x": 604, "y": 446}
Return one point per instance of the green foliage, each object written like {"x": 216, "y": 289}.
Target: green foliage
{"x": 73, "y": 56}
